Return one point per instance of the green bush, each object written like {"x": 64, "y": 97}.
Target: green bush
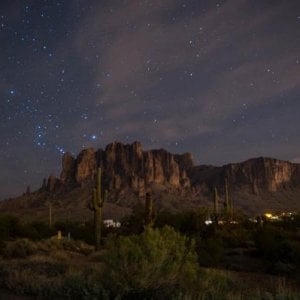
{"x": 152, "y": 263}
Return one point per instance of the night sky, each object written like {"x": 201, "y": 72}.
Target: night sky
{"x": 220, "y": 79}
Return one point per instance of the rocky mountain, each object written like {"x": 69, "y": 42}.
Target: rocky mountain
{"x": 126, "y": 167}
{"x": 255, "y": 185}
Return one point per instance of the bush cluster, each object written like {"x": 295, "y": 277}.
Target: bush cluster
{"x": 155, "y": 262}
{"x": 164, "y": 262}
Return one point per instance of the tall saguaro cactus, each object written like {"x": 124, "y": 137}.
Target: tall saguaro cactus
{"x": 227, "y": 204}
{"x": 50, "y": 215}
{"x": 216, "y": 206}
{"x": 98, "y": 199}
{"x": 228, "y": 200}
{"x": 149, "y": 210}
{"x": 216, "y": 201}
{"x": 231, "y": 206}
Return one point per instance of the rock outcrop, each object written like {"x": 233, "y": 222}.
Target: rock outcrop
{"x": 253, "y": 175}
{"x": 127, "y": 167}
{"x": 68, "y": 173}
{"x": 263, "y": 173}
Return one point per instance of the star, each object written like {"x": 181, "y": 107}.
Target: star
{"x": 174, "y": 72}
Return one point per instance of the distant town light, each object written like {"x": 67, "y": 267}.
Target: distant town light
{"x": 208, "y": 222}
{"x": 268, "y": 215}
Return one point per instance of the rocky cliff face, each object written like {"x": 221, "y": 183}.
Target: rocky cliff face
{"x": 256, "y": 185}
{"x": 263, "y": 173}
{"x": 127, "y": 167}
{"x": 253, "y": 176}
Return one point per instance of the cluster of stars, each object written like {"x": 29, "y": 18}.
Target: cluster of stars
{"x": 184, "y": 75}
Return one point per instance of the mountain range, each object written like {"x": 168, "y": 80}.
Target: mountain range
{"x": 255, "y": 186}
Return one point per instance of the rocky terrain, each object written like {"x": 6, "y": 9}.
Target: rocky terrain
{"x": 255, "y": 185}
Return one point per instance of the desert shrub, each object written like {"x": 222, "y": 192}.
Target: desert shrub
{"x": 19, "y": 248}
{"x": 60, "y": 255}
{"x": 290, "y": 223}
{"x": 10, "y": 227}
{"x": 50, "y": 245}
{"x": 76, "y": 285}
{"x": 157, "y": 261}
{"x": 37, "y": 230}
{"x": 274, "y": 245}
{"x": 234, "y": 236}
{"x": 187, "y": 222}
{"x": 53, "y": 245}
{"x": 26, "y": 282}
{"x": 40, "y": 265}
{"x": 77, "y": 246}
{"x": 215, "y": 284}
{"x": 78, "y": 231}
{"x": 210, "y": 251}
{"x": 96, "y": 256}
{"x": 27, "y": 277}
{"x": 50, "y": 279}
{"x": 2, "y": 246}
{"x": 45, "y": 266}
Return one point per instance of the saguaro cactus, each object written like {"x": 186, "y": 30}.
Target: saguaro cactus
{"x": 227, "y": 203}
{"x": 228, "y": 200}
{"x": 231, "y": 207}
{"x": 216, "y": 201}
{"x": 216, "y": 206}
{"x": 28, "y": 191}
{"x": 149, "y": 210}
{"x": 97, "y": 204}
{"x": 50, "y": 215}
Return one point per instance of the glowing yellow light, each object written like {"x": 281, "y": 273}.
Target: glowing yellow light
{"x": 268, "y": 215}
